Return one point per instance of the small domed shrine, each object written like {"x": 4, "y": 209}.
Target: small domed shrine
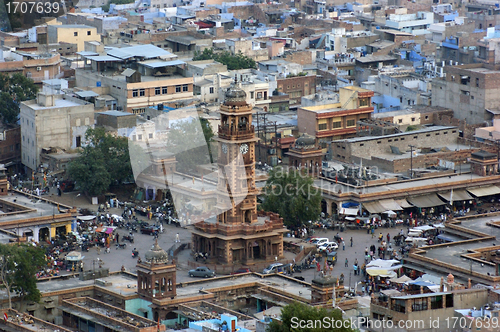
{"x": 306, "y": 154}
{"x": 156, "y": 275}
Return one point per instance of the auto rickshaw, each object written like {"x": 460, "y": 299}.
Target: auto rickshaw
{"x": 331, "y": 258}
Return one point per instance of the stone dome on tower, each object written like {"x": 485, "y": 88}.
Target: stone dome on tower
{"x": 235, "y": 96}
{"x": 305, "y": 141}
{"x": 156, "y": 255}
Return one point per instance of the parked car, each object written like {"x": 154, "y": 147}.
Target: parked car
{"x": 242, "y": 270}
{"x": 202, "y": 271}
{"x": 321, "y": 241}
{"x": 274, "y": 268}
{"x": 328, "y": 246}
{"x": 149, "y": 230}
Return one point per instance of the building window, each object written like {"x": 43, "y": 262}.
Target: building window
{"x": 164, "y": 90}
{"x": 337, "y": 124}
{"x": 351, "y": 123}
{"x": 259, "y": 95}
{"x": 157, "y": 91}
{"x": 185, "y": 88}
{"x": 75, "y": 34}
{"x": 378, "y": 142}
{"x": 177, "y": 88}
{"x": 150, "y": 135}
{"x": 251, "y": 94}
{"x": 78, "y": 141}
{"x": 139, "y": 137}
{"x": 477, "y": 82}
{"x": 412, "y": 119}
{"x": 400, "y": 120}
{"x": 322, "y": 126}
{"x": 211, "y": 89}
{"x": 364, "y": 102}
{"x": 142, "y": 92}
{"x": 89, "y": 33}
{"x": 135, "y": 93}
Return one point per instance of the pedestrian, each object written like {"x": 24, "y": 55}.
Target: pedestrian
{"x": 98, "y": 250}
{"x": 351, "y": 241}
{"x": 373, "y": 232}
{"x": 388, "y": 237}
{"x": 343, "y": 245}
{"x": 117, "y": 238}
{"x": 355, "y": 269}
{"x": 346, "y": 262}
{"x": 177, "y": 239}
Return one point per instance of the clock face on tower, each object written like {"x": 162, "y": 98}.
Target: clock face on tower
{"x": 244, "y": 148}
{"x": 224, "y": 148}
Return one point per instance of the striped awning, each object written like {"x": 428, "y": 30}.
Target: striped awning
{"x": 425, "y": 201}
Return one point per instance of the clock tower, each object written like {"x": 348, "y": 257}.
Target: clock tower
{"x": 236, "y": 192}
{"x": 238, "y": 234}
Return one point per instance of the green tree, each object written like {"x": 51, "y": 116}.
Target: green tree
{"x": 233, "y": 62}
{"x": 18, "y": 267}
{"x": 14, "y": 89}
{"x": 293, "y": 196}
{"x": 296, "y": 316}
{"x": 30, "y": 261}
{"x": 189, "y": 141}
{"x": 103, "y": 161}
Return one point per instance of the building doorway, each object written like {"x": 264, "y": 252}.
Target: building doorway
{"x": 256, "y": 250}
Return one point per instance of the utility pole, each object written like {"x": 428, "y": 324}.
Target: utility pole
{"x": 411, "y": 161}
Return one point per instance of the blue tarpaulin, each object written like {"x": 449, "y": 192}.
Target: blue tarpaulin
{"x": 349, "y": 204}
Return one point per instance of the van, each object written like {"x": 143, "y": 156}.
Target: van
{"x": 321, "y": 241}
{"x": 274, "y": 268}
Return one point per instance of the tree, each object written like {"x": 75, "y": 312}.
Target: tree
{"x": 18, "y": 267}
{"x": 103, "y": 161}
{"x": 233, "y": 62}
{"x": 189, "y": 141}
{"x": 299, "y": 317}
{"x": 14, "y": 90}
{"x": 293, "y": 196}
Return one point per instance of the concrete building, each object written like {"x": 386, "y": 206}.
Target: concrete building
{"x": 157, "y": 78}
{"x": 416, "y": 24}
{"x": 52, "y": 120}
{"x": 10, "y": 146}
{"x": 336, "y": 121}
{"x": 351, "y": 150}
{"x": 297, "y": 87}
{"x": 470, "y": 91}
{"x": 38, "y": 66}
{"x": 72, "y": 33}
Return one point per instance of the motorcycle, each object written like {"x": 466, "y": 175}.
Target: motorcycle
{"x": 129, "y": 238}
{"x": 135, "y": 253}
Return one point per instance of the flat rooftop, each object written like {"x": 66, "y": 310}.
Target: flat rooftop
{"x": 37, "y": 209}
{"x": 282, "y": 283}
{"x": 59, "y": 103}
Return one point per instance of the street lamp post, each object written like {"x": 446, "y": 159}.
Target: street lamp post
{"x": 75, "y": 198}
{"x": 411, "y": 161}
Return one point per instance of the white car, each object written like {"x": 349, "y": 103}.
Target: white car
{"x": 321, "y": 241}
{"x": 328, "y": 246}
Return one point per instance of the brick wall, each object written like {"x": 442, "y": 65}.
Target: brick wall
{"x": 447, "y": 119}
{"x": 302, "y": 57}
{"x": 352, "y": 151}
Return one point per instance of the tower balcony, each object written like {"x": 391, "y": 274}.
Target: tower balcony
{"x": 227, "y": 132}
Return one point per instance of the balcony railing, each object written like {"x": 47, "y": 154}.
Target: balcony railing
{"x": 236, "y": 132}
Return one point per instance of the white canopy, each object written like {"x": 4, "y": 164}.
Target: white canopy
{"x": 383, "y": 263}
{"x": 349, "y": 211}
{"x": 412, "y": 239}
{"x": 438, "y": 226}
{"x": 85, "y": 218}
{"x": 423, "y": 228}
{"x": 390, "y": 213}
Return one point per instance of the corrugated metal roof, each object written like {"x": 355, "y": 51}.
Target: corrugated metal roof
{"x": 140, "y": 51}
{"x": 102, "y": 58}
{"x": 161, "y": 64}
{"x": 86, "y": 94}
